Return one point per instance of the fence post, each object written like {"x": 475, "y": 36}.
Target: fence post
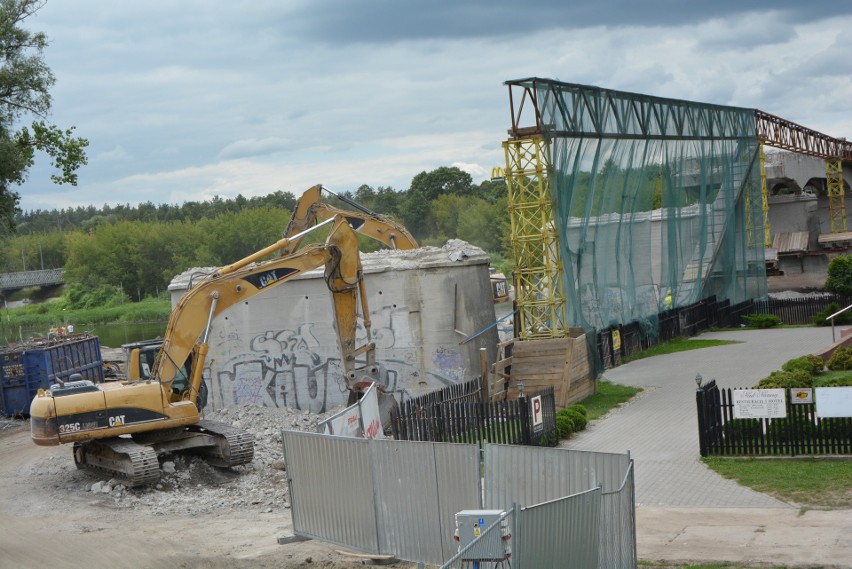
{"x": 526, "y": 427}
{"x": 702, "y": 427}
{"x": 485, "y": 387}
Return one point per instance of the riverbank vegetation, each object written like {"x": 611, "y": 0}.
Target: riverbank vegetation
{"x": 137, "y": 250}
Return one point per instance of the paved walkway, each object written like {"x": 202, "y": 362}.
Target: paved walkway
{"x": 685, "y": 510}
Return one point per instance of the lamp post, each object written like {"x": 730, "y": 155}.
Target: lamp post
{"x": 698, "y": 380}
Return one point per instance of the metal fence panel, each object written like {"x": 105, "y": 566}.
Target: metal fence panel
{"x": 529, "y": 475}
{"x": 331, "y": 489}
{"x": 560, "y": 533}
{"x": 420, "y": 487}
{"x": 459, "y": 487}
{"x": 618, "y": 527}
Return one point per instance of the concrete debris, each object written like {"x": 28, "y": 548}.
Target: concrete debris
{"x": 188, "y": 485}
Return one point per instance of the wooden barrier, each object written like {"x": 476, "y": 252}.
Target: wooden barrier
{"x": 561, "y": 363}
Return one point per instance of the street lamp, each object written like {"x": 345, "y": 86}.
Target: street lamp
{"x": 698, "y": 380}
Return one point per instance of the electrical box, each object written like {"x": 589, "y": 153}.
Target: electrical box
{"x": 471, "y": 524}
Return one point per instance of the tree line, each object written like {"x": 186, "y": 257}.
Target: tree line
{"x": 133, "y": 252}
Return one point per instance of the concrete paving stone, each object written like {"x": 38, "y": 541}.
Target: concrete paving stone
{"x": 685, "y": 511}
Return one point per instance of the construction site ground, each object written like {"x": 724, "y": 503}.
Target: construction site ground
{"x": 56, "y": 516}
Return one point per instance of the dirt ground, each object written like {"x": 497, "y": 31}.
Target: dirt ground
{"x": 48, "y": 520}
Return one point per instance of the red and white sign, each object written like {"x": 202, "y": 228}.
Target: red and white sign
{"x": 537, "y": 412}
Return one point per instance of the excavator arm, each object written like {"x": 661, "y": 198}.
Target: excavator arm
{"x": 310, "y": 208}
{"x": 190, "y": 321}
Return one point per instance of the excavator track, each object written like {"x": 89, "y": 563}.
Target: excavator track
{"x": 234, "y": 446}
{"x": 131, "y": 463}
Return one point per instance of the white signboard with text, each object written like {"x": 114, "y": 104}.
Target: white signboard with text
{"x": 759, "y": 404}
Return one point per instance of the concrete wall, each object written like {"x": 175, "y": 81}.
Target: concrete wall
{"x": 280, "y": 349}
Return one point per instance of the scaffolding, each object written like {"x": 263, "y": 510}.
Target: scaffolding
{"x": 535, "y": 244}
{"x": 620, "y": 200}
{"x": 836, "y": 198}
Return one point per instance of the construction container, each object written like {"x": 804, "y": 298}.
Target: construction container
{"x": 40, "y": 363}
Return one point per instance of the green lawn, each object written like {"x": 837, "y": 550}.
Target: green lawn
{"x": 677, "y": 345}
{"x": 822, "y": 483}
{"x": 608, "y": 396}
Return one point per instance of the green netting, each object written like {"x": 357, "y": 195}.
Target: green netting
{"x": 651, "y": 195}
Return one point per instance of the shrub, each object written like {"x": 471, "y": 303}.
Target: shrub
{"x": 761, "y": 320}
{"x": 841, "y": 359}
{"x": 564, "y": 425}
{"x": 820, "y": 318}
{"x": 809, "y": 363}
{"x": 839, "y": 279}
{"x": 579, "y": 420}
{"x": 580, "y": 408}
{"x": 782, "y": 430}
{"x": 786, "y": 380}
{"x": 742, "y": 429}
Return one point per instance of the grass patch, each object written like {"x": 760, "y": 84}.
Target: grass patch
{"x": 823, "y": 483}
{"x": 608, "y": 396}
{"x": 56, "y": 313}
{"x": 678, "y": 345}
{"x": 723, "y": 565}
{"x": 830, "y": 378}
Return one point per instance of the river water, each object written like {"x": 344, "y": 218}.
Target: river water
{"x": 110, "y": 335}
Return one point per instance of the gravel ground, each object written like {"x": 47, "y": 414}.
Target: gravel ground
{"x": 188, "y": 485}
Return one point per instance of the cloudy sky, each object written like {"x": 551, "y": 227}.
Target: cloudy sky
{"x": 188, "y": 99}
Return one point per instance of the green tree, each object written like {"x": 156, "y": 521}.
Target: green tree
{"x": 839, "y": 279}
{"x": 232, "y": 236}
{"x": 443, "y": 180}
{"x": 25, "y": 82}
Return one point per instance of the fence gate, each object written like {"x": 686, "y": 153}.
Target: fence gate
{"x": 801, "y": 431}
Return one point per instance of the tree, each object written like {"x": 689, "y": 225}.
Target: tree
{"x": 839, "y": 279}
{"x": 443, "y": 180}
{"x": 25, "y": 82}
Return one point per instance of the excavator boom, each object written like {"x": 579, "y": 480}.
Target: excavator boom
{"x": 310, "y": 208}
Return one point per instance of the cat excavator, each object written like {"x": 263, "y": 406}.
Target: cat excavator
{"x": 122, "y": 427}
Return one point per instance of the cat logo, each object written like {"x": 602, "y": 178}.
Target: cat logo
{"x": 116, "y": 421}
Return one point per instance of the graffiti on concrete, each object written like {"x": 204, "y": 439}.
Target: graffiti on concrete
{"x": 301, "y": 367}
{"x": 293, "y": 368}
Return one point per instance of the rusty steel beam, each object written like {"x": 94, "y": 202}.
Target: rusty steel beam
{"x": 788, "y": 135}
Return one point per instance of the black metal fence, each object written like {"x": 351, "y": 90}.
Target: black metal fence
{"x": 694, "y": 319}
{"x": 801, "y": 432}
{"x": 527, "y": 421}
{"x": 467, "y": 391}
{"x": 799, "y": 310}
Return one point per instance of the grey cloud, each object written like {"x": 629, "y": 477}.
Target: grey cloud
{"x": 380, "y": 21}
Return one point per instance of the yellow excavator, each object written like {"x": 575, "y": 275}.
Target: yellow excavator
{"x": 122, "y": 427}
{"x": 311, "y": 208}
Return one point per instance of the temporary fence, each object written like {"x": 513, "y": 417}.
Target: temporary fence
{"x": 800, "y": 432}
{"x": 527, "y": 475}
{"x": 380, "y": 496}
{"x": 526, "y": 420}
{"x": 559, "y": 533}
{"x": 400, "y": 498}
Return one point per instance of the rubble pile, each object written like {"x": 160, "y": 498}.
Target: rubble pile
{"x": 188, "y": 485}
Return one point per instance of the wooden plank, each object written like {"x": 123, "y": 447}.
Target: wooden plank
{"x": 565, "y": 384}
